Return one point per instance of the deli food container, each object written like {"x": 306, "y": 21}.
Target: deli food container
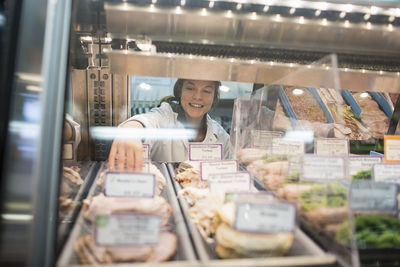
{"x": 185, "y": 254}
{"x": 304, "y": 252}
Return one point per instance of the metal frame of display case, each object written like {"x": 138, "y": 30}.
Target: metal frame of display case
{"x": 229, "y": 34}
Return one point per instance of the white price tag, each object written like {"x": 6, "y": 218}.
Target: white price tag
{"x": 265, "y": 217}
{"x": 68, "y": 151}
{"x": 362, "y": 163}
{"x": 332, "y": 147}
{"x": 146, "y": 152}
{"x": 263, "y": 139}
{"x": 129, "y": 184}
{"x": 370, "y": 196}
{"x": 287, "y": 147}
{"x": 321, "y": 168}
{"x": 388, "y": 173}
{"x": 392, "y": 148}
{"x": 205, "y": 152}
{"x": 224, "y": 166}
{"x": 229, "y": 182}
{"x": 127, "y": 229}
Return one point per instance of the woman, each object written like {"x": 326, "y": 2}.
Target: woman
{"x": 186, "y": 109}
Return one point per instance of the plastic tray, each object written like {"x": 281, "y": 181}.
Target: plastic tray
{"x": 304, "y": 251}
{"x": 184, "y": 256}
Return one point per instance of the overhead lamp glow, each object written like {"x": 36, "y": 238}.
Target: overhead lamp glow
{"x": 317, "y": 13}
{"x": 109, "y": 133}
{"x": 367, "y": 16}
{"x": 374, "y": 10}
{"x": 145, "y": 86}
{"x": 364, "y": 95}
{"x": 348, "y": 8}
{"x": 342, "y": 14}
{"x": 183, "y": 2}
{"x": 153, "y": 1}
{"x": 292, "y": 10}
{"x": 224, "y": 88}
{"x": 297, "y": 91}
{"x": 322, "y": 5}
{"x": 178, "y": 10}
{"x": 266, "y": 8}
{"x": 391, "y": 18}
{"x": 238, "y": 6}
{"x": 211, "y": 4}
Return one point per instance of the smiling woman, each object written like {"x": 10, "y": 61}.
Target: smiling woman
{"x": 186, "y": 109}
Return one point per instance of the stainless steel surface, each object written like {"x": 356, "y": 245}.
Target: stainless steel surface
{"x": 185, "y": 252}
{"x": 210, "y": 26}
{"x": 80, "y": 109}
{"x": 121, "y": 98}
{"x": 100, "y": 109}
{"x": 31, "y": 167}
{"x": 304, "y": 252}
{"x": 231, "y": 69}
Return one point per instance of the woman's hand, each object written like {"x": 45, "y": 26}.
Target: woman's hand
{"x": 127, "y": 151}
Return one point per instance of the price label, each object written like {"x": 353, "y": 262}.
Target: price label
{"x": 332, "y": 147}
{"x": 68, "y": 151}
{"x": 198, "y": 152}
{"x": 146, "y": 152}
{"x": 392, "y": 148}
{"x": 361, "y": 163}
{"x": 128, "y": 184}
{"x": 388, "y": 173}
{"x": 225, "y": 166}
{"x": 370, "y": 196}
{"x": 229, "y": 182}
{"x": 287, "y": 147}
{"x": 265, "y": 217}
{"x": 127, "y": 229}
{"x": 263, "y": 139}
{"x": 323, "y": 168}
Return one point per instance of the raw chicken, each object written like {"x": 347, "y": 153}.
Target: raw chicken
{"x": 101, "y": 205}
{"x": 90, "y": 253}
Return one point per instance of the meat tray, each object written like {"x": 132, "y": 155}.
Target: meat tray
{"x": 87, "y": 173}
{"x": 184, "y": 256}
{"x": 304, "y": 251}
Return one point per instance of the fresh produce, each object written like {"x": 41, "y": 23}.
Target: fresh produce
{"x": 323, "y": 195}
{"x": 363, "y": 175}
{"x": 372, "y": 231}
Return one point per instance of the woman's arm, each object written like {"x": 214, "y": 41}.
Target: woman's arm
{"x": 125, "y": 150}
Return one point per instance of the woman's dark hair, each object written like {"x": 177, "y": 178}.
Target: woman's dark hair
{"x": 178, "y": 92}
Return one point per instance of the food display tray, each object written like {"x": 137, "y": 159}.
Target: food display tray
{"x": 88, "y": 170}
{"x": 304, "y": 251}
{"x": 185, "y": 254}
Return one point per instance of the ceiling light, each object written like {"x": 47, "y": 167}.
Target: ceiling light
{"x": 297, "y": 91}
{"x": 224, "y": 88}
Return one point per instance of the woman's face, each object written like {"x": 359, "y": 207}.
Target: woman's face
{"x": 196, "y": 99}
